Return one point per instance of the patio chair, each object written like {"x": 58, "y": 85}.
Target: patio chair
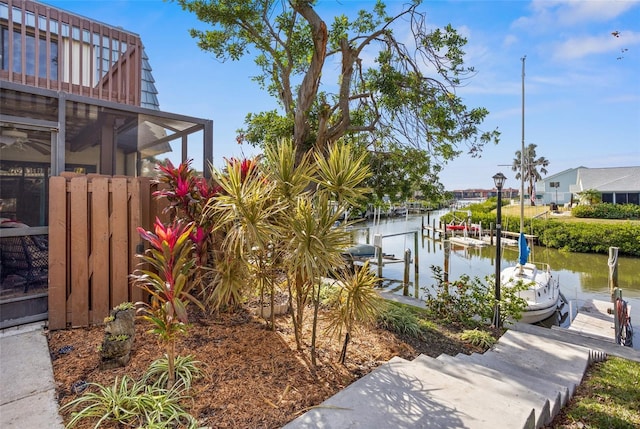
{"x": 26, "y": 257}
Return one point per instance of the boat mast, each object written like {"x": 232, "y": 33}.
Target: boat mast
{"x": 522, "y": 156}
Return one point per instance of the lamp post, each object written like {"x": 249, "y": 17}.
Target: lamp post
{"x": 498, "y": 179}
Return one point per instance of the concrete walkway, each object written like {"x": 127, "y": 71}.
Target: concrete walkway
{"x": 27, "y": 397}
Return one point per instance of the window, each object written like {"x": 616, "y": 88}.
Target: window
{"x": 44, "y": 63}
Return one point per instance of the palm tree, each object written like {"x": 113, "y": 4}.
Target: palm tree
{"x": 530, "y": 164}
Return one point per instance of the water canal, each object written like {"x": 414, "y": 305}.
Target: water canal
{"x": 582, "y": 276}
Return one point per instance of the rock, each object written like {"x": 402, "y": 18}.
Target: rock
{"x": 119, "y": 334}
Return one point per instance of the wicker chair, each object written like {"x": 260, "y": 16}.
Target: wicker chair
{"x": 27, "y": 257}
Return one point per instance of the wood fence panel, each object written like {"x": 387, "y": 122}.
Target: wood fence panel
{"x": 119, "y": 242}
{"x": 93, "y": 241}
{"x": 100, "y": 249}
{"x": 79, "y": 223}
{"x": 57, "y": 253}
{"x": 140, "y": 195}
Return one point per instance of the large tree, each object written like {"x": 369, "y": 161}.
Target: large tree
{"x": 388, "y": 81}
{"x": 529, "y": 165}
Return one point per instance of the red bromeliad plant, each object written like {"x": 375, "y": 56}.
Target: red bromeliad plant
{"x": 171, "y": 261}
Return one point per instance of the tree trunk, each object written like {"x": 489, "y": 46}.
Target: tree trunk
{"x": 343, "y": 353}
{"x": 171, "y": 364}
{"x": 292, "y": 311}
{"x": 309, "y": 87}
{"x": 316, "y": 305}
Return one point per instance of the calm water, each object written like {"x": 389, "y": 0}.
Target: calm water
{"x": 581, "y": 276}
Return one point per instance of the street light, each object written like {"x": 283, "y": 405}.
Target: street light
{"x": 499, "y": 180}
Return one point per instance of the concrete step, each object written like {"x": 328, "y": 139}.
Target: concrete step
{"x": 492, "y": 383}
{"x": 544, "y": 384}
{"x": 577, "y": 338}
{"x": 403, "y": 394}
{"x": 559, "y": 361}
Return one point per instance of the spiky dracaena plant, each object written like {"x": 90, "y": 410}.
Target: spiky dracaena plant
{"x": 244, "y": 213}
{"x": 356, "y": 302}
{"x": 171, "y": 261}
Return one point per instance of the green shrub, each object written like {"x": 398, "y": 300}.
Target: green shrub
{"x": 478, "y": 338}
{"x": 607, "y": 211}
{"x": 592, "y": 237}
{"x": 132, "y": 404}
{"x": 400, "y": 320}
{"x": 468, "y": 302}
{"x": 186, "y": 370}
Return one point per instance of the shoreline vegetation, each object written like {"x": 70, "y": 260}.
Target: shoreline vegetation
{"x": 563, "y": 230}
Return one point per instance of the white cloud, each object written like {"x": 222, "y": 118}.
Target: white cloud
{"x": 509, "y": 40}
{"x": 564, "y": 13}
{"x": 581, "y": 46}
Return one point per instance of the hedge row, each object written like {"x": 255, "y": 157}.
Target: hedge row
{"x": 607, "y": 211}
{"x": 570, "y": 236}
{"x": 589, "y": 237}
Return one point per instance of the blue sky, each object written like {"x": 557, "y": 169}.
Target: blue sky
{"x": 582, "y": 90}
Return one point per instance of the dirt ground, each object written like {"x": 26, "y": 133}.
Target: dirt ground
{"x": 254, "y": 377}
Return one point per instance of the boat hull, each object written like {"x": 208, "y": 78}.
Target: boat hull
{"x": 542, "y": 294}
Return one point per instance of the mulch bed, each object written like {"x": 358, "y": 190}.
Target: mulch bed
{"x": 254, "y": 377}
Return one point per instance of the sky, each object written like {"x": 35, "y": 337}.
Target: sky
{"x": 582, "y": 77}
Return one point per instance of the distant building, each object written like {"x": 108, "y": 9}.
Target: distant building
{"x": 483, "y": 194}
{"x": 617, "y": 185}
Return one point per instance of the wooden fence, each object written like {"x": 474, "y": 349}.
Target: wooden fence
{"x": 93, "y": 244}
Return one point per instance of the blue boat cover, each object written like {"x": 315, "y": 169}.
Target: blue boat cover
{"x": 523, "y": 249}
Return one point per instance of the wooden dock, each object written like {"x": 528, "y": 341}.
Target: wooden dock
{"x": 594, "y": 320}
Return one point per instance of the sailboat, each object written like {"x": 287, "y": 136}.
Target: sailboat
{"x": 543, "y": 290}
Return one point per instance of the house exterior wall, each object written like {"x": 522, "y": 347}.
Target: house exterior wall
{"x": 555, "y": 188}
{"x": 50, "y": 48}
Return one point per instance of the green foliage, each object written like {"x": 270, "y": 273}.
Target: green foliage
{"x": 483, "y": 212}
{"x": 590, "y": 237}
{"x": 401, "y": 320}
{"x": 186, "y": 370}
{"x": 478, "y": 338}
{"x": 120, "y": 337}
{"x": 278, "y": 218}
{"x": 389, "y": 99}
{"x": 590, "y": 196}
{"x": 528, "y": 163}
{"x": 123, "y": 306}
{"x": 607, "y": 211}
{"x": 356, "y": 302}
{"x": 130, "y": 403}
{"x": 392, "y": 177}
{"x": 570, "y": 236}
{"x": 468, "y": 302}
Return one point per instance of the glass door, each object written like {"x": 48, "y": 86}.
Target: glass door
{"x": 24, "y": 192}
